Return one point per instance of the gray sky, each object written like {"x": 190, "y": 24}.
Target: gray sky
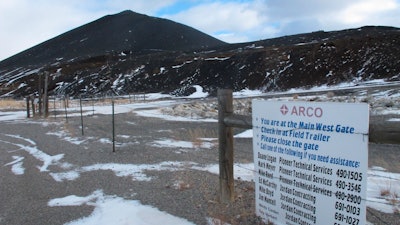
{"x": 26, "y": 23}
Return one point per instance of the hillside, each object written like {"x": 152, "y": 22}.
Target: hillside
{"x": 125, "y": 31}
{"x": 130, "y": 52}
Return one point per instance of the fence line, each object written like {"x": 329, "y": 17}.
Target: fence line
{"x": 33, "y": 108}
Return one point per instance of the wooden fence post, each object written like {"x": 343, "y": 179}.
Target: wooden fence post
{"x": 33, "y": 106}
{"x": 40, "y": 94}
{"x": 54, "y": 107}
{"x": 28, "y": 115}
{"x": 225, "y": 138}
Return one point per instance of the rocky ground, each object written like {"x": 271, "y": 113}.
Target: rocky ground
{"x": 380, "y": 104}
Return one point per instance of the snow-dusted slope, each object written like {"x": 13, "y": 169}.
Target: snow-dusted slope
{"x": 299, "y": 61}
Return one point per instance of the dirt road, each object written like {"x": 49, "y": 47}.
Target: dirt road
{"x": 58, "y": 161}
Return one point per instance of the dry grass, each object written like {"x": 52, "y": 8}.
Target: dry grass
{"x": 240, "y": 211}
{"x": 181, "y": 185}
{"x": 68, "y": 129}
{"x": 13, "y": 104}
{"x": 8, "y": 103}
{"x": 196, "y": 135}
{"x": 385, "y": 192}
{"x": 392, "y": 198}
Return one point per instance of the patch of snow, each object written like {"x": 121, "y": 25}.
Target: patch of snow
{"x": 247, "y": 93}
{"x": 217, "y": 58}
{"x": 47, "y": 160}
{"x": 63, "y": 135}
{"x": 241, "y": 171}
{"x": 389, "y": 111}
{"x": 156, "y": 113}
{"x": 123, "y": 136}
{"x": 198, "y": 93}
{"x": 245, "y": 134}
{"x": 136, "y": 172}
{"x": 383, "y": 190}
{"x": 118, "y": 81}
{"x": 16, "y": 165}
{"x": 21, "y": 85}
{"x": 105, "y": 141}
{"x": 162, "y": 70}
{"x": 62, "y": 176}
{"x": 116, "y": 210}
{"x": 179, "y": 66}
{"x": 330, "y": 73}
{"x": 169, "y": 143}
{"x": 12, "y": 116}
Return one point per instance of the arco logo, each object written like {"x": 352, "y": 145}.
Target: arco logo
{"x": 302, "y": 111}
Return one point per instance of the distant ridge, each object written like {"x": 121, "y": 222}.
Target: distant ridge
{"x": 130, "y": 52}
{"x": 125, "y": 31}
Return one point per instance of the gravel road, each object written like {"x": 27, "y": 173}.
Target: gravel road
{"x": 24, "y": 198}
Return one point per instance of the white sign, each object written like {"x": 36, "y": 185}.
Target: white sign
{"x": 311, "y": 161}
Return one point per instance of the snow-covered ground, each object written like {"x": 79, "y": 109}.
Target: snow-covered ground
{"x": 116, "y": 210}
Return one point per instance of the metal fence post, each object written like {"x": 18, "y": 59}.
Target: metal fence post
{"x": 80, "y": 104}
{"x": 113, "y": 123}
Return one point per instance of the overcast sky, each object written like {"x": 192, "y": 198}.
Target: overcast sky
{"x": 26, "y": 23}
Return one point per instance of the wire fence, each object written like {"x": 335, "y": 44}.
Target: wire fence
{"x": 60, "y": 105}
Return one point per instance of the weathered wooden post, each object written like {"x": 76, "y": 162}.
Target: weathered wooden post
{"x": 33, "y": 106}
{"x": 54, "y": 108}
{"x": 225, "y": 138}
{"x": 40, "y": 95}
{"x": 28, "y": 115}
